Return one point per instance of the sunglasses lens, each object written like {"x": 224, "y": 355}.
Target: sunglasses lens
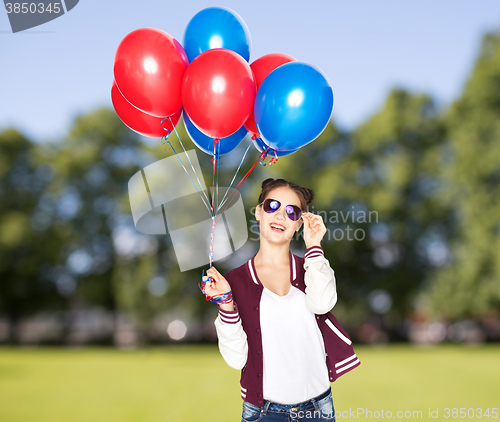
{"x": 271, "y": 205}
{"x": 274, "y": 205}
{"x": 293, "y": 212}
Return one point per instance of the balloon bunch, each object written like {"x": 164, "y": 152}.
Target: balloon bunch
{"x": 283, "y": 103}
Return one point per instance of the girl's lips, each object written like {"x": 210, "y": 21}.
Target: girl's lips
{"x": 277, "y": 230}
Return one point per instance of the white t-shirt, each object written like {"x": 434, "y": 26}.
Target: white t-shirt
{"x": 293, "y": 349}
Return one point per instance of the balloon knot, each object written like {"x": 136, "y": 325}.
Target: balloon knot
{"x": 274, "y": 159}
{"x": 166, "y": 141}
{"x": 169, "y": 131}
{"x": 216, "y": 157}
{"x": 263, "y": 158}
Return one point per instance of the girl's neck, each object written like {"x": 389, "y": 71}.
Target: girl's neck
{"x": 273, "y": 255}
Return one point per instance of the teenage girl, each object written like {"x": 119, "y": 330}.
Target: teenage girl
{"x": 274, "y": 322}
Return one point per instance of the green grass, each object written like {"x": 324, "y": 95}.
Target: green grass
{"x": 193, "y": 383}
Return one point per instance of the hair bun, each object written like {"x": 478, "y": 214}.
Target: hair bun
{"x": 309, "y": 195}
{"x": 267, "y": 182}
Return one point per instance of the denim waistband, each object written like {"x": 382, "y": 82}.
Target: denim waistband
{"x": 287, "y": 408}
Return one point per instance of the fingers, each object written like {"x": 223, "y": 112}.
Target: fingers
{"x": 311, "y": 216}
{"x": 205, "y": 279}
{"x": 208, "y": 286}
{"x": 212, "y": 272}
{"x": 216, "y": 285}
{"x": 312, "y": 220}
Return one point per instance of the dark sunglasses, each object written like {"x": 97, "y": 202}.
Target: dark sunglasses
{"x": 292, "y": 211}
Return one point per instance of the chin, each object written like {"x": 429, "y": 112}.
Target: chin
{"x": 277, "y": 240}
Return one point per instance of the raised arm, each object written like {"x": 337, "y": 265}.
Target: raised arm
{"x": 321, "y": 288}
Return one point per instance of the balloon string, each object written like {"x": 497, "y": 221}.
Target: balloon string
{"x": 201, "y": 187}
{"x": 217, "y": 183}
{"x": 216, "y": 160}
{"x": 175, "y": 152}
{"x": 262, "y": 159}
{"x": 274, "y": 159}
{"x": 214, "y": 221}
{"x": 212, "y": 235}
{"x": 240, "y": 184}
{"x": 213, "y": 184}
{"x": 234, "y": 177}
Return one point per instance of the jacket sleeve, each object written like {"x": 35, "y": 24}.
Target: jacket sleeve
{"x": 233, "y": 345}
{"x": 321, "y": 287}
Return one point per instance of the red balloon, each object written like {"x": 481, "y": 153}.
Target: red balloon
{"x": 137, "y": 120}
{"x": 218, "y": 92}
{"x": 262, "y": 67}
{"x": 149, "y": 67}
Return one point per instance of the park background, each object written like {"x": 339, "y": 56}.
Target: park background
{"x": 96, "y": 320}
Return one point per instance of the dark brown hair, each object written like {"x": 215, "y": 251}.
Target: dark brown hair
{"x": 305, "y": 195}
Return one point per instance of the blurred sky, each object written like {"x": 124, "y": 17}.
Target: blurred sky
{"x": 54, "y": 72}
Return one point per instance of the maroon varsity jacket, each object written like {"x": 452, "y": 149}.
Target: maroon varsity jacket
{"x": 247, "y": 291}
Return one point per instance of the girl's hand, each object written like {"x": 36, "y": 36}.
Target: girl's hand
{"x": 219, "y": 285}
{"x": 314, "y": 229}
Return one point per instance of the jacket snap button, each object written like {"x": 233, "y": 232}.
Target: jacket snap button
{"x": 258, "y": 352}
{"x": 255, "y": 308}
{"x": 258, "y": 374}
{"x": 257, "y": 330}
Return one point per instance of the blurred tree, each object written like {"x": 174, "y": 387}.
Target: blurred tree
{"x": 27, "y": 241}
{"x": 183, "y": 292}
{"x": 395, "y": 171}
{"x": 470, "y": 285}
{"x": 88, "y": 199}
{"x": 375, "y": 189}
{"x": 410, "y": 200}
{"x": 105, "y": 260}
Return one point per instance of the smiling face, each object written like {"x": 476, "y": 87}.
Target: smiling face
{"x": 285, "y": 196}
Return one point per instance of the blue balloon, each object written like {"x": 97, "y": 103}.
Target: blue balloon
{"x": 216, "y": 27}
{"x": 293, "y": 106}
{"x": 260, "y": 145}
{"x": 206, "y": 144}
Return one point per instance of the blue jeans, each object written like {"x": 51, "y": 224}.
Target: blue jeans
{"x": 317, "y": 409}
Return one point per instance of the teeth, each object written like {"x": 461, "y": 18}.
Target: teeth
{"x": 277, "y": 227}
